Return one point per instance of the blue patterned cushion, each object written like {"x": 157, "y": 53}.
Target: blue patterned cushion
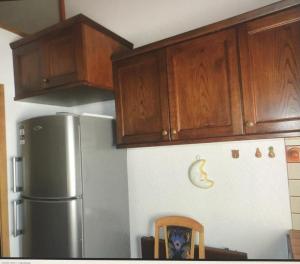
{"x": 179, "y": 242}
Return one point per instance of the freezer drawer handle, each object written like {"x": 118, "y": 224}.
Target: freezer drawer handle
{"x": 16, "y": 231}
{"x": 15, "y": 188}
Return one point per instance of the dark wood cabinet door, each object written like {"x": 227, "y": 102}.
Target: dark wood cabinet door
{"x": 204, "y": 88}
{"x": 270, "y": 62}
{"x": 142, "y": 99}
{"x": 59, "y": 58}
{"x": 27, "y": 68}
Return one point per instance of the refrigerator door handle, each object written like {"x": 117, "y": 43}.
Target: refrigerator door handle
{"x": 15, "y": 187}
{"x": 16, "y": 230}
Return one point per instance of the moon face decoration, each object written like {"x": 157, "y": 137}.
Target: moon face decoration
{"x": 198, "y": 176}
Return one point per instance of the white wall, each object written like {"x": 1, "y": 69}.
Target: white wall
{"x": 29, "y": 16}
{"x": 248, "y": 209}
{"x": 144, "y": 21}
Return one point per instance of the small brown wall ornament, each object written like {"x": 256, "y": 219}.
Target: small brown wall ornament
{"x": 235, "y": 153}
{"x": 271, "y": 152}
{"x": 258, "y": 153}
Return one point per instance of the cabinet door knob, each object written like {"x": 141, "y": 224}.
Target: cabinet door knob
{"x": 45, "y": 80}
{"x": 164, "y": 132}
{"x": 249, "y": 124}
{"x": 174, "y": 132}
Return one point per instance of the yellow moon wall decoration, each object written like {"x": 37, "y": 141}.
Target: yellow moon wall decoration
{"x": 198, "y": 176}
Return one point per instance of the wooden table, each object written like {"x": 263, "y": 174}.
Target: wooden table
{"x": 211, "y": 253}
{"x": 294, "y": 243}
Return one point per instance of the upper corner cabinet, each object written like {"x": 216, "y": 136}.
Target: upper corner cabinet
{"x": 142, "y": 98}
{"x": 204, "y": 88}
{"x": 66, "y": 64}
{"x": 270, "y": 63}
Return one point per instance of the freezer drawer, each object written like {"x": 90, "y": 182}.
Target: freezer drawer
{"x": 52, "y": 229}
{"x": 51, "y": 158}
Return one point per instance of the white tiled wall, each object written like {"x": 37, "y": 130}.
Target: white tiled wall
{"x": 295, "y": 205}
{"x": 292, "y": 141}
{"x": 294, "y": 171}
{"x": 296, "y": 221}
{"x": 294, "y": 185}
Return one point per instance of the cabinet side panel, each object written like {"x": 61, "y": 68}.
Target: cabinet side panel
{"x": 98, "y": 49}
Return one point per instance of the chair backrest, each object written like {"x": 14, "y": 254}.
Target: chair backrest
{"x": 179, "y": 234}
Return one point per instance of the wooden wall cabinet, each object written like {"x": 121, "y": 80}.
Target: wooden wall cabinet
{"x": 66, "y": 64}
{"x": 270, "y": 63}
{"x": 187, "y": 91}
{"x": 204, "y": 88}
{"x": 236, "y": 79}
{"x": 142, "y": 99}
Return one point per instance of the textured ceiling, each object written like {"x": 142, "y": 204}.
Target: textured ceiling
{"x": 145, "y": 21}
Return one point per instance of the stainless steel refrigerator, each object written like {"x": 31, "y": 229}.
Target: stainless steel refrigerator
{"x": 75, "y": 192}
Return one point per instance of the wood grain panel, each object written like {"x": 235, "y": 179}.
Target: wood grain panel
{"x": 147, "y": 248}
{"x": 4, "y": 229}
{"x": 61, "y": 50}
{"x": 294, "y": 239}
{"x": 141, "y": 98}
{"x": 62, "y": 10}
{"x": 27, "y": 68}
{"x": 179, "y": 221}
{"x": 59, "y": 58}
{"x": 98, "y": 64}
{"x": 270, "y": 60}
{"x": 213, "y": 139}
{"x": 76, "y": 52}
{"x": 204, "y": 87}
{"x": 78, "y": 19}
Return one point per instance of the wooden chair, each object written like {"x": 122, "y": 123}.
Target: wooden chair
{"x": 179, "y": 235}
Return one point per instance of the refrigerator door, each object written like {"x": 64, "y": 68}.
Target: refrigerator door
{"x": 51, "y": 158}
{"x": 52, "y": 229}
{"x": 105, "y": 191}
